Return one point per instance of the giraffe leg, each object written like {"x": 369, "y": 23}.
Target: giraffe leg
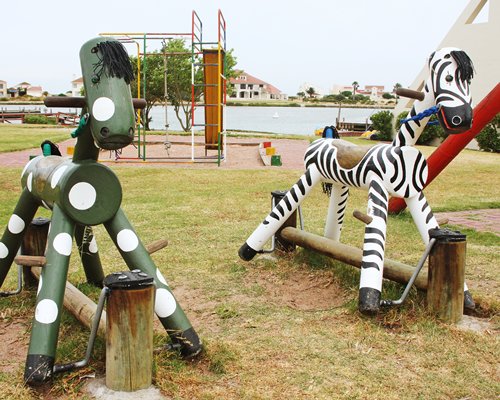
{"x": 12, "y": 238}
{"x": 45, "y": 329}
{"x": 424, "y": 220}
{"x": 372, "y": 265}
{"x": 87, "y": 247}
{"x": 168, "y": 310}
{"x": 336, "y": 212}
{"x": 280, "y": 213}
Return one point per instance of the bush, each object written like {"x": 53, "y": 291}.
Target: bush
{"x": 382, "y": 122}
{"x": 489, "y": 138}
{"x": 430, "y": 132}
{"x": 39, "y": 119}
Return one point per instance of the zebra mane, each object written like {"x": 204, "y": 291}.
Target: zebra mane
{"x": 465, "y": 66}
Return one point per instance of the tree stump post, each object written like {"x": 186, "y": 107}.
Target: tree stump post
{"x": 129, "y": 331}
{"x": 34, "y": 243}
{"x": 445, "y": 289}
{"x": 281, "y": 243}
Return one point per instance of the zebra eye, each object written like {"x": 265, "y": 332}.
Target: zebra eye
{"x": 447, "y": 56}
{"x": 449, "y": 78}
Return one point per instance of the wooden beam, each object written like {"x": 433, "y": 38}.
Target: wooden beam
{"x": 393, "y": 270}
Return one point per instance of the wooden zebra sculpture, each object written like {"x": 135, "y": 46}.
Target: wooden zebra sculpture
{"x": 82, "y": 193}
{"x": 395, "y": 169}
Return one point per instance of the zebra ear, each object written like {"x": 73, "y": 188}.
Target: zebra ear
{"x": 431, "y": 57}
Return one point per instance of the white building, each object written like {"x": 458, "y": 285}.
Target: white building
{"x": 3, "y": 88}
{"x": 248, "y": 87}
{"x": 76, "y": 86}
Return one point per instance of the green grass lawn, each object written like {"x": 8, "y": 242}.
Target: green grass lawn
{"x": 21, "y": 137}
{"x": 284, "y": 327}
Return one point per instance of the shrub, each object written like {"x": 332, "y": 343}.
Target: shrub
{"x": 382, "y": 122}
{"x": 39, "y": 119}
{"x": 430, "y": 132}
{"x": 489, "y": 138}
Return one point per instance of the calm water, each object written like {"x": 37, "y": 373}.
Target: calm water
{"x": 287, "y": 120}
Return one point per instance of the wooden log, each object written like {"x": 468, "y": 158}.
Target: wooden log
{"x": 129, "y": 332}
{"x": 82, "y": 308}
{"x": 156, "y": 245}
{"x": 445, "y": 293}
{"x": 34, "y": 243}
{"x": 393, "y": 270}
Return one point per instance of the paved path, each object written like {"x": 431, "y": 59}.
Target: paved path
{"x": 480, "y": 220}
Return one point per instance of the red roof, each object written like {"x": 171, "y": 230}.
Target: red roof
{"x": 252, "y": 80}
{"x": 79, "y": 80}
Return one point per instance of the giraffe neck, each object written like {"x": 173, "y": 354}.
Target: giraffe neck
{"x": 410, "y": 131}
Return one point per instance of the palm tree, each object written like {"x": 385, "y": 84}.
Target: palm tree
{"x": 355, "y": 86}
{"x": 396, "y": 87}
{"x": 311, "y": 92}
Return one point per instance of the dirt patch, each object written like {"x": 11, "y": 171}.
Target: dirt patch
{"x": 301, "y": 290}
{"x": 14, "y": 339}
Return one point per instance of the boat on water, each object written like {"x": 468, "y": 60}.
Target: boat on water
{"x": 276, "y": 115}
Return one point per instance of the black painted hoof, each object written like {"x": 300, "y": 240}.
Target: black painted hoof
{"x": 246, "y": 253}
{"x": 38, "y": 370}
{"x": 469, "y": 303}
{"x": 190, "y": 343}
{"x": 369, "y": 301}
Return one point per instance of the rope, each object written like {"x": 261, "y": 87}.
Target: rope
{"x": 424, "y": 114}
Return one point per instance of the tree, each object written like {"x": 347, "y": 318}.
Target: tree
{"x": 382, "y": 122}
{"x": 396, "y": 87}
{"x": 355, "y": 86}
{"x": 178, "y": 65}
{"x": 311, "y": 92}
{"x": 489, "y": 138}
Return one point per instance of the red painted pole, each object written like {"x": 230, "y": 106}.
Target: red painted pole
{"x": 484, "y": 112}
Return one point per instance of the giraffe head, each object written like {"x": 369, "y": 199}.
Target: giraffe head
{"x": 451, "y": 72}
{"x": 107, "y": 73}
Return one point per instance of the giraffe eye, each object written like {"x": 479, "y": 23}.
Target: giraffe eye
{"x": 449, "y": 78}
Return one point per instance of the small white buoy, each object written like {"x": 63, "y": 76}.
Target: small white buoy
{"x": 276, "y": 115}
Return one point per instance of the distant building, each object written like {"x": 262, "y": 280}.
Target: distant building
{"x": 248, "y": 87}
{"x": 23, "y": 89}
{"x": 76, "y": 87}
{"x": 374, "y": 92}
{"x": 318, "y": 92}
{"x": 3, "y": 88}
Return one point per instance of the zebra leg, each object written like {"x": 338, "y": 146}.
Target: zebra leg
{"x": 280, "y": 213}
{"x": 424, "y": 220}
{"x": 336, "y": 212}
{"x": 87, "y": 247}
{"x": 170, "y": 313}
{"x": 49, "y": 302}
{"x": 13, "y": 236}
{"x": 370, "y": 286}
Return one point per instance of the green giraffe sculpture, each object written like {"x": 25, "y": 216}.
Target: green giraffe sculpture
{"x": 82, "y": 193}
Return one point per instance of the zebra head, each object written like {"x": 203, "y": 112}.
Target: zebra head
{"x": 451, "y": 73}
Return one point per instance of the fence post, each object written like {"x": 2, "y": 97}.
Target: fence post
{"x": 445, "y": 289}
{"x": 34, "y": 243}
{"x": 129, "y": 331}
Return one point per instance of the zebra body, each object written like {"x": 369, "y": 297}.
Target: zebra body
{"x": 384, "y": 170}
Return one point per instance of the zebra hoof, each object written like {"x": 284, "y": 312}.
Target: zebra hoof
{"x": 469, "y": 303}
{"x": 369, "y": 301}
{"x": 246, "y": 252}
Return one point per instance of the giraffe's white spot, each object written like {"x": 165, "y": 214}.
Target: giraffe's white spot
{"x": 127, "y": 240}
{"x": 46, "y": 311}
{"x": 29, "y": 181}
{"x": 103, "y": 109}
{"x": 165, "y": 303}
{"x": 82, "y": 196}
{"x": 62, "y": 243}
{"x": 93, "y": 246}
{"x": 16, "y": 224}
{"x": 160, "y": 277}
{"x": 4, "y": 251}
{"x": 56, "y": 176}
{"x": 40, "y": 283}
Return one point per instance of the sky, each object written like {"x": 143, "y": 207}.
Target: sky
{"x": 284, "y": 42}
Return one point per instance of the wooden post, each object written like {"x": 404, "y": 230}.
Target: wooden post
{"x": 129, "y": 331}
{"x": 280, "y": 242}
{"x": 445, "y": 289}
{"x": 33, "y": 244}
